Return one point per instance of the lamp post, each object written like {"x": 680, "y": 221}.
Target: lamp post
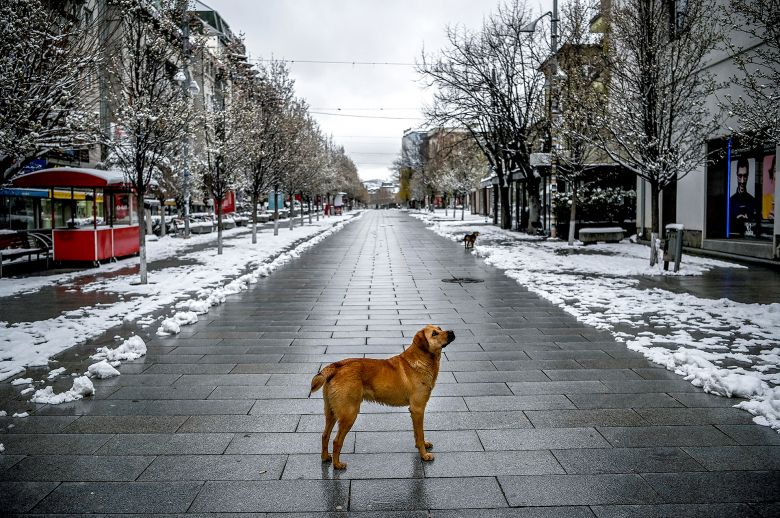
{"x": 529, "y": 28}
{"x": 190, "y": 88}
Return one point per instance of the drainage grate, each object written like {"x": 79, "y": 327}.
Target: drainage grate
{"x": 462, "y": 280}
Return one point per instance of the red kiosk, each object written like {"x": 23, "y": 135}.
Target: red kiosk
{"x": 92, "y": 212}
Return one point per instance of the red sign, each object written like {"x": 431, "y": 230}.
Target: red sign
{"x": 229, "y": 203}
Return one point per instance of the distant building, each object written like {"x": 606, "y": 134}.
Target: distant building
{"x": 382, "y": 194}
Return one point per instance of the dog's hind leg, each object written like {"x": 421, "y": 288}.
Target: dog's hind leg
{"x": 330, "y": 421}
{"x": 346, "y": 420}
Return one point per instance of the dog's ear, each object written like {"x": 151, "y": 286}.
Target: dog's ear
{"x": 420, "y": 340}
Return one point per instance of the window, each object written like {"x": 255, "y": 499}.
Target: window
{"x": 678, "y": 13}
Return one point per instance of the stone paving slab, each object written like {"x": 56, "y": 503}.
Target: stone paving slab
{"x": 534, "y": 414}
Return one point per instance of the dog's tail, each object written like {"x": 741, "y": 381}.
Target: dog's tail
{"x": 321, "y": 378}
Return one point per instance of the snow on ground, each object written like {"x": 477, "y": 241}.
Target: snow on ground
{"x": 102, "y": 370}
{"x": 203, "y": 281}
{"x": 156, "y": 249}
{"x": 82, "y": 386}
{"x": 728, "y": 348}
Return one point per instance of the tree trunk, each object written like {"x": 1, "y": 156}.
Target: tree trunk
{"x": 302, "y": 209}
{"x": 506, "y": 209}
{"x": 139, "y": 204}
{"x": 162, "y": 218}
{"x": 495, "y": 204}
{"x": 533, "y": 206}
{"x": 254, "y": 218}
{"x": 573, "y": 213}
{"x": 308, "y": 204}
{"x": 276, "y": 213}
{"x": 463, "y": 209}
{"x": 219, "y": 226}
{"x": 292, "y": 211}
{"x": 655, "y": 209}
{"x": 655, "y": 223}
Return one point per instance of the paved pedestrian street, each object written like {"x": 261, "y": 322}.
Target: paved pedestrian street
{"x": 533, "y": 414}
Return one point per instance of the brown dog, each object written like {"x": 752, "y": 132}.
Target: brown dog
{"x": 470, "y": 239}
{"x": 403, "y": 380}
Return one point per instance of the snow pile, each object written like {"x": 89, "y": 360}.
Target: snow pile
{"x": 82, "y": 386}
{"x": 172, "y": 325}
{"x": 727, "y": 348}
{"x": 27, "y": 391}
{"x": 102, "y": 370}
{"x": 199, "y": 307}
{"x": 21, "y": 415}
{"x": 3, "y": 413}
{"x": 766, "y": 408}
{"x": 695, "y": 366}
{"x": 22, "y": 381}
{"x": 56, "y": 372}
{"x": 2, "y": 448}
{"x": 131, "y": 349}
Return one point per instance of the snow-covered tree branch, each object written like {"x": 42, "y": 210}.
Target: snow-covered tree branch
{"x": 48, "y": 81}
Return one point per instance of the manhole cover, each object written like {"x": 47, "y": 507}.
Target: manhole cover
{"x": 462, "y": 280}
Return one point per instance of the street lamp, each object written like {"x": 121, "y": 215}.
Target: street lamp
{"x": 530, "y": 28}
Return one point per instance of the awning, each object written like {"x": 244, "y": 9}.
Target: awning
{"x": 72, "y": 177}
{"x": 25, "y": 193}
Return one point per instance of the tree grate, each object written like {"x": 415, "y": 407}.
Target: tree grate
{"x": 462, "y": 280}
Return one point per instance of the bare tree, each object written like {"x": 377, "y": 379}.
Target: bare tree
{"x": 150, "y": 112}
{"x": 226, "y": 139}
{"x": 758, "y": 68}
{"x": 48, "y": 61}
{"x": 266, "y": 152}
{"x": 578, "y": 74}
{"x": 457, "y": 167}
{"x": 657, "y": 120}
{"x": 411, "y": 167}
{"x": 490, "y": 82}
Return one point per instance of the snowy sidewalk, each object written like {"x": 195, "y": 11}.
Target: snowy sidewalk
{"x": 727, "y": 347}
{"x": 70, "y": 308}
{"x": 534, "y": 414}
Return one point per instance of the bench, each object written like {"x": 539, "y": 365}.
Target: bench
{"x": 24, "y": 244}
{"x": 594, "y": 235}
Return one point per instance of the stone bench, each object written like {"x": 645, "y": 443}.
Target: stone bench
{"x": 594, "y": 235}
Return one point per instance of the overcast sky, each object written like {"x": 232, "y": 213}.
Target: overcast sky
{"x": 354, "y": 30}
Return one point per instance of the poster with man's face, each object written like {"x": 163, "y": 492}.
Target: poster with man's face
{"x": 743, "y": 176}
{"x": 742, "y": 200}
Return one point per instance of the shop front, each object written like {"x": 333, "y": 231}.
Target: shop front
{"x": 90, "y": 213}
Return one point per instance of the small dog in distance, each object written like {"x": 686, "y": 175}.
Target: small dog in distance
{"x": 470, "y": 239}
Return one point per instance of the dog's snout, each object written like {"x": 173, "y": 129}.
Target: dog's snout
{"x": 450, "y": 336}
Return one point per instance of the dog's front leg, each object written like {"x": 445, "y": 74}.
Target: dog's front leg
{"x": 418, "y": 413}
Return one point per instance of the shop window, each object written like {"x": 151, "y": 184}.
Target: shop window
{"x": 18, "y": 213}
{"x": 741, "y": 192}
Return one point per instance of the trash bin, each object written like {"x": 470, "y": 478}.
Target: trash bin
{"x": 673, "y": 245}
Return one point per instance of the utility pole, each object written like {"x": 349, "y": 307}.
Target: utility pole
{"x": 553, "y": 110}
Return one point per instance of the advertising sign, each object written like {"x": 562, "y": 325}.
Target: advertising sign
{"x": 751, "y": 192}
{"x": 275, "y": 200}
{"x": 769, "y": 182}
{"x": 228, "y": 203}
{"x": 742, "y": 200}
